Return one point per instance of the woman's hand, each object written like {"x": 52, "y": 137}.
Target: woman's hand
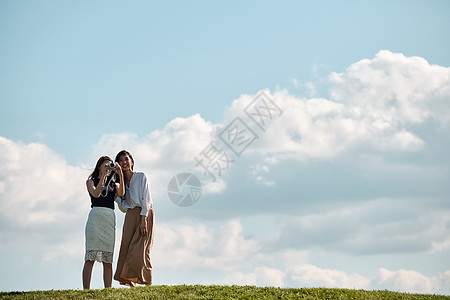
{"x": 120, "y": 187}
{"x": 118, "y": 169}
{"x": 104, "y": 172}
{"x": 104, "y": 176}
{"x": 143, "y": 227}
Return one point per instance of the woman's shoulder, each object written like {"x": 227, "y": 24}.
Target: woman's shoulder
{"x": 140, "y": 174}
{"x": 140, "y": 177}
{"x": 90, "y": 179}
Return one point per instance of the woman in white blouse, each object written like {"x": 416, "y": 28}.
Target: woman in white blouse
{"x": 134, "y": 265}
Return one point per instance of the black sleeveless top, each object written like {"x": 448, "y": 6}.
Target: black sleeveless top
{"x": 102, "y": 201}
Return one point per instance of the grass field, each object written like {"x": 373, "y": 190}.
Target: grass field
{"x": 216, "y": 292}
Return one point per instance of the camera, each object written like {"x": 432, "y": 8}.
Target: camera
{"x": 111, "y": 165}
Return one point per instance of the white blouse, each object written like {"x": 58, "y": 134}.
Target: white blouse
{"x": 138, "y": 194}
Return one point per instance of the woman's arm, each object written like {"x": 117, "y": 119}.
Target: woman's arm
{"x": 146, "y": 196}
{"x": 120, "y": 187}
{"x": 146, "y": 203}
{"x": 95, "y": 191}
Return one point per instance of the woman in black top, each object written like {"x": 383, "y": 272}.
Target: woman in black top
{"x": 100, "y": 229}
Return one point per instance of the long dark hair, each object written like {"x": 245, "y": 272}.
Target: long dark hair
{"x": 100, "y": 161}
{"x": 124, "y": 152}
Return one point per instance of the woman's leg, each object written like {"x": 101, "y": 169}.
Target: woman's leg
{"x": 107, "y": 274}
{"x": 87, "y": 272}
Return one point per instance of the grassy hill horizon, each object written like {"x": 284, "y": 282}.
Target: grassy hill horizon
{"x": 218, "y": 292}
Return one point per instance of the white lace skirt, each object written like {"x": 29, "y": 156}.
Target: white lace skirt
{"x": 100, "y": 234}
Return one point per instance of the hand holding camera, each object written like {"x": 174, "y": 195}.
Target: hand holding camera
{"x": 112, "y": 165}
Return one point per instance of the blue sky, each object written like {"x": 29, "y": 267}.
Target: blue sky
{"x": 348, "y": 187}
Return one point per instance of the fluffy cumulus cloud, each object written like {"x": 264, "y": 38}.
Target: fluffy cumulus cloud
{"x": 374, "y": 109}
{"x": 402, "y": 280}
{"x": 38, "y": 183}
{"x": 166, "y": 152}
{"x": 407, "y": 280}
{"x": 43, "y": 203}
{"x": 197, "y": 246}
{"x": 172, "y": 147}
{"x": 374, "y": 106}
{"x": 43, "y": 209}
{"x": 395, "y": 89}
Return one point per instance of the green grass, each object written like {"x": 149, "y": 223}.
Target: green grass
{"x": 216, "y": 292}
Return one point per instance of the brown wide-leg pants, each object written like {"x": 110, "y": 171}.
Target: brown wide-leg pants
{"x": 134, "y": 265}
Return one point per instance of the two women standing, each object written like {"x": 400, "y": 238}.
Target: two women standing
{"x": 132, "y": 194}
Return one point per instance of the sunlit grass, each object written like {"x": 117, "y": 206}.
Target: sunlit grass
{"x": 216, "y": 292}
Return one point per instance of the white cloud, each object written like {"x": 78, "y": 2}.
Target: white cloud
{"x": 259, "y": 174}
{"x": 445, "y": 279}
{"x": 323, "y": 129}
{"x": 39, "y": 186}
{"x": 247, "y": 262}
{"x": 72, "y": 249}
{"x": 178, "y": 143}
{"x": 43, "y": 208}
{"x": 261, "y": 276}
{"x": 293, "y": 270}
{"x": 312, "y": 276}
{"x": 374, "y": 105}
{"x": 311, "y": 88}
{"x": 395, "y": 88}
{"x": 377, "y": 226}
{"x": 293, "y": 257}
{"x": 197, "y": 246}
{"x": 406, "y": 281}
{"x": 213, "y": 187}
{"x": 439, "y": 231}
{"x": 167, "y": 152}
